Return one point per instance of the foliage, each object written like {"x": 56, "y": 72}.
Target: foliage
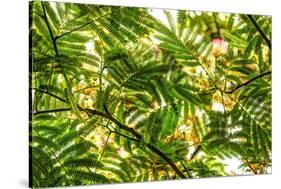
{"x": 120, "y": 96}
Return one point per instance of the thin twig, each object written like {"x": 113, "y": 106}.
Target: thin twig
{"x": 49, "y": 29}
{"x": 52, "y": 111}
{"x": 268, "y": 42}
{"x": 247, "y": 82}
{"x": 125, "y": 136}
{"x": 195, "y": 152}
{"x": 186, "y": 170}
{"x": 249, "y": 165}
{"x": 243, "y": 109}
{"x": 51, "y": 94}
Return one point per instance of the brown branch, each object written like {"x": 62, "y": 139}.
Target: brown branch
{"x": 247, "y": 82}
{"x": 249, "y": 165}
{"x": 124, "y": 127}
{"x": 268, "y": 42}
{"x": 167, "y": 159}
{"x": 138, "y": 136}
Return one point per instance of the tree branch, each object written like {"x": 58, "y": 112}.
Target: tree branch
{"x": 139, "y": 137}
{"x": 268, "y": 42}
{"x": 51, "y": 94}
{"x": 52, "y": 111}
{"x": 195, "y": 152}
{"x": 249, "y": 165}
{"x": 247, "y": 82}
{"x": 124, "y": 127}
{"x": 125, "y": 136}
{"x": 49, "y": 29}
{"x": 75, "y": 29}
{"x": 186, "y": 170}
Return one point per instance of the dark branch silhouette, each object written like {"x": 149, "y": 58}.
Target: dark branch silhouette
{"x": 48, "y": 93}
{"x": 249, "y": 165}
{"x": 268, "y": 42}
{"x": 247, "y": 82}
{"x": 186, "y": 170}
{"x": 195, "y": 152}
{"x": 49, "y": 29}
{"x": 52, "y": 111}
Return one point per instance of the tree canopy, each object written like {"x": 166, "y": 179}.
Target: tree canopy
{"x": 119, "y": 94}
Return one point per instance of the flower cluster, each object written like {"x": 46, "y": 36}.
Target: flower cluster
{"x": 220, "y": 47}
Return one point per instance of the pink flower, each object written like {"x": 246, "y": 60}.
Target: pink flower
{"x": 220, "y": 47}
